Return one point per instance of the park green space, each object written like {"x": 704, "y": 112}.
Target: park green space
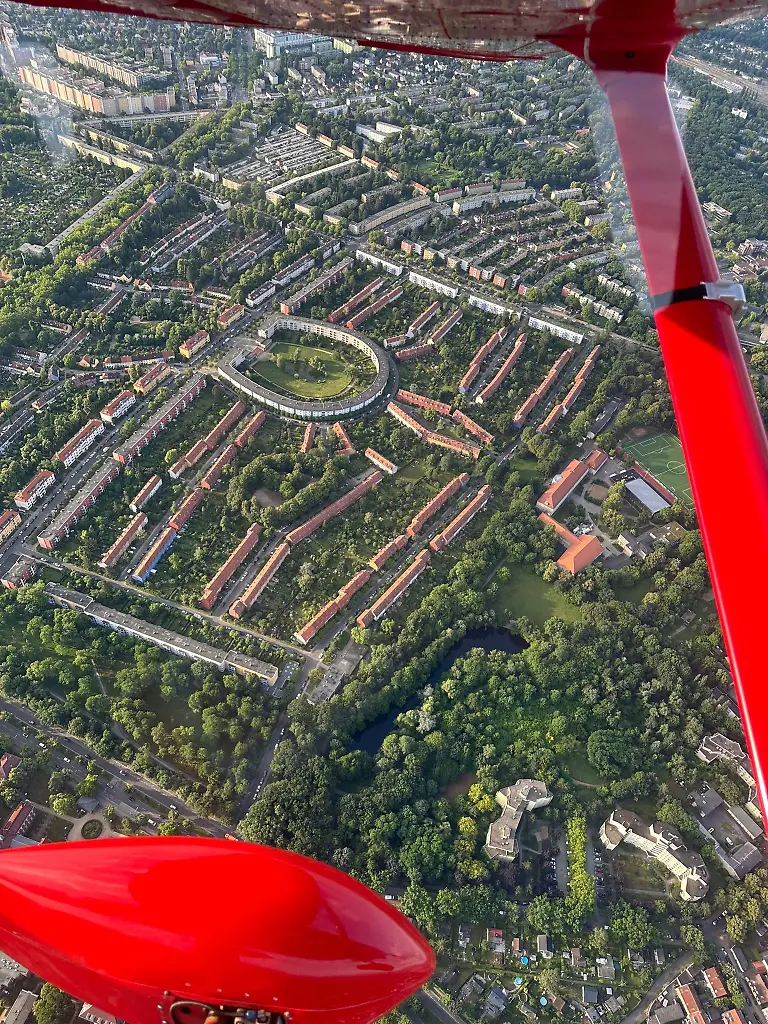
{"x": 527, "y": 594}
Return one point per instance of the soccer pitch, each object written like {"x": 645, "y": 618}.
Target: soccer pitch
{"x": 662, "y": 455}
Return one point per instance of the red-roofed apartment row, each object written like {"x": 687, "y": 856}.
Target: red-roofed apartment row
{"x": 347, "y": 448}
{"x": 379, "y": 460}
{"x": 454, "y": 528}
{"x": 80, "y": 443}
{"x": 118, "y": 406}
{"x": 691, "y": 1005}
{"x": 384, "y": 554}
{"x": 395, "y": 591}
{"x": 218, "y": 582}
{"x": 433, "y": 506}
{"x": 132, "y": 530}
{"x": 422, "y": 402}
{"x": 310, "y": 432}
{"x": 37, "y": 486}
{"x": 333, "y": 607}
{"x": 503, "y": 372}
{"x": 338, "y": 314}
{"x": 715, "y": 983}
{"x": 251, "y": 427}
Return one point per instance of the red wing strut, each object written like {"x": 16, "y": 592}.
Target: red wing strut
{"x": 150, "y": 929}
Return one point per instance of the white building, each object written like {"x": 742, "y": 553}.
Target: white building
{"x": 662, "y": 843}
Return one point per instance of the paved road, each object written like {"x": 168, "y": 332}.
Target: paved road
{"x": 145, "y": 787}
{"x": 637, "y": 1016}
{"x": 433, "y": 1004}
{"x": 215, "y": 620}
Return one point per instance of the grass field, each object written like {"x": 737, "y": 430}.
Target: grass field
{"x": 662, "y": 455}
{"x": 527, "y": 594}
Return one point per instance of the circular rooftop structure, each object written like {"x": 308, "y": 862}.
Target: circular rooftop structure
{"x": 318, "y": 409}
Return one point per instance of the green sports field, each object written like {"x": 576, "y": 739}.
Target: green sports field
{"x": 662, "y": 455}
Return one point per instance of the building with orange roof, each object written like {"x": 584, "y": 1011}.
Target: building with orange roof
{"x": 251, "y": 427}
{"x": 147, "y": 491}
{"x": 310, "y": 432}
{"x": 333, "y": 607}
{"x": 454, "y": 528}
{"x": 395, "y": 591}
{"x": 227, "y": 421}
{"x": 406, "y": 419}
{"x": 422, "y": 402}
{"x": 503, "y": 372}
{"x": 407, "y": 355}
{"x": 579, "y": 552}
{"x": 384, "y": 554}
{"x": 118, "y": 406}
{"x": 552, "y": 417}
{"x": 424, "y": 317}
{"x": 194, "y": 344}
{"x": 319, "y": 619}
{"x": 80, "y": 443}
{"x": 118, "y": 549}
{"x": 474, "y": 428}
{"x": 379, "y": 460}
{"x": 689, "y": 1001}
{"x": 578, "y": 556}
{"x": 347, "y": 448}
{"x": 733, "y": 1017}
{"x": 562, "y": 485}
{"x": 187, "y": 509}
{"x": 253, "y": 591}
{"x": 10, "y": 520}
{"x": 18, "y": 824}
{"x": 348, "y": 591}
{"x": 467, "y": 380}
{"x": 596, "y": 459}
{"x": 536, "y": 396}
{"x": 215, "y": 586}
{"x": 715, "y": 983}
{"x": 334, "y": 509}
{"x": 343, "y": 311}
{"x": 211, "y": 478}
{"x": 447, "y": 325}
{"x": 432, "y": 507}
{"x": 464, "y": 448}
{"x": 35, "y": 489}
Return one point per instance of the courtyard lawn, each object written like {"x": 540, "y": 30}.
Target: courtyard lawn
{"x": 333, "y": 380}
{"x": 527, "y": 594}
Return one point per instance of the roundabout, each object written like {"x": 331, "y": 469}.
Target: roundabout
{"x": 326, "y": 389}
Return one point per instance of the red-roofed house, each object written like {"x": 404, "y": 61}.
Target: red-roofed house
{"x": 715, "y": 983}
{"x": 687, "y": 997}
{"x": 733, "y": 1017}
{"x": 7, "y": 763}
